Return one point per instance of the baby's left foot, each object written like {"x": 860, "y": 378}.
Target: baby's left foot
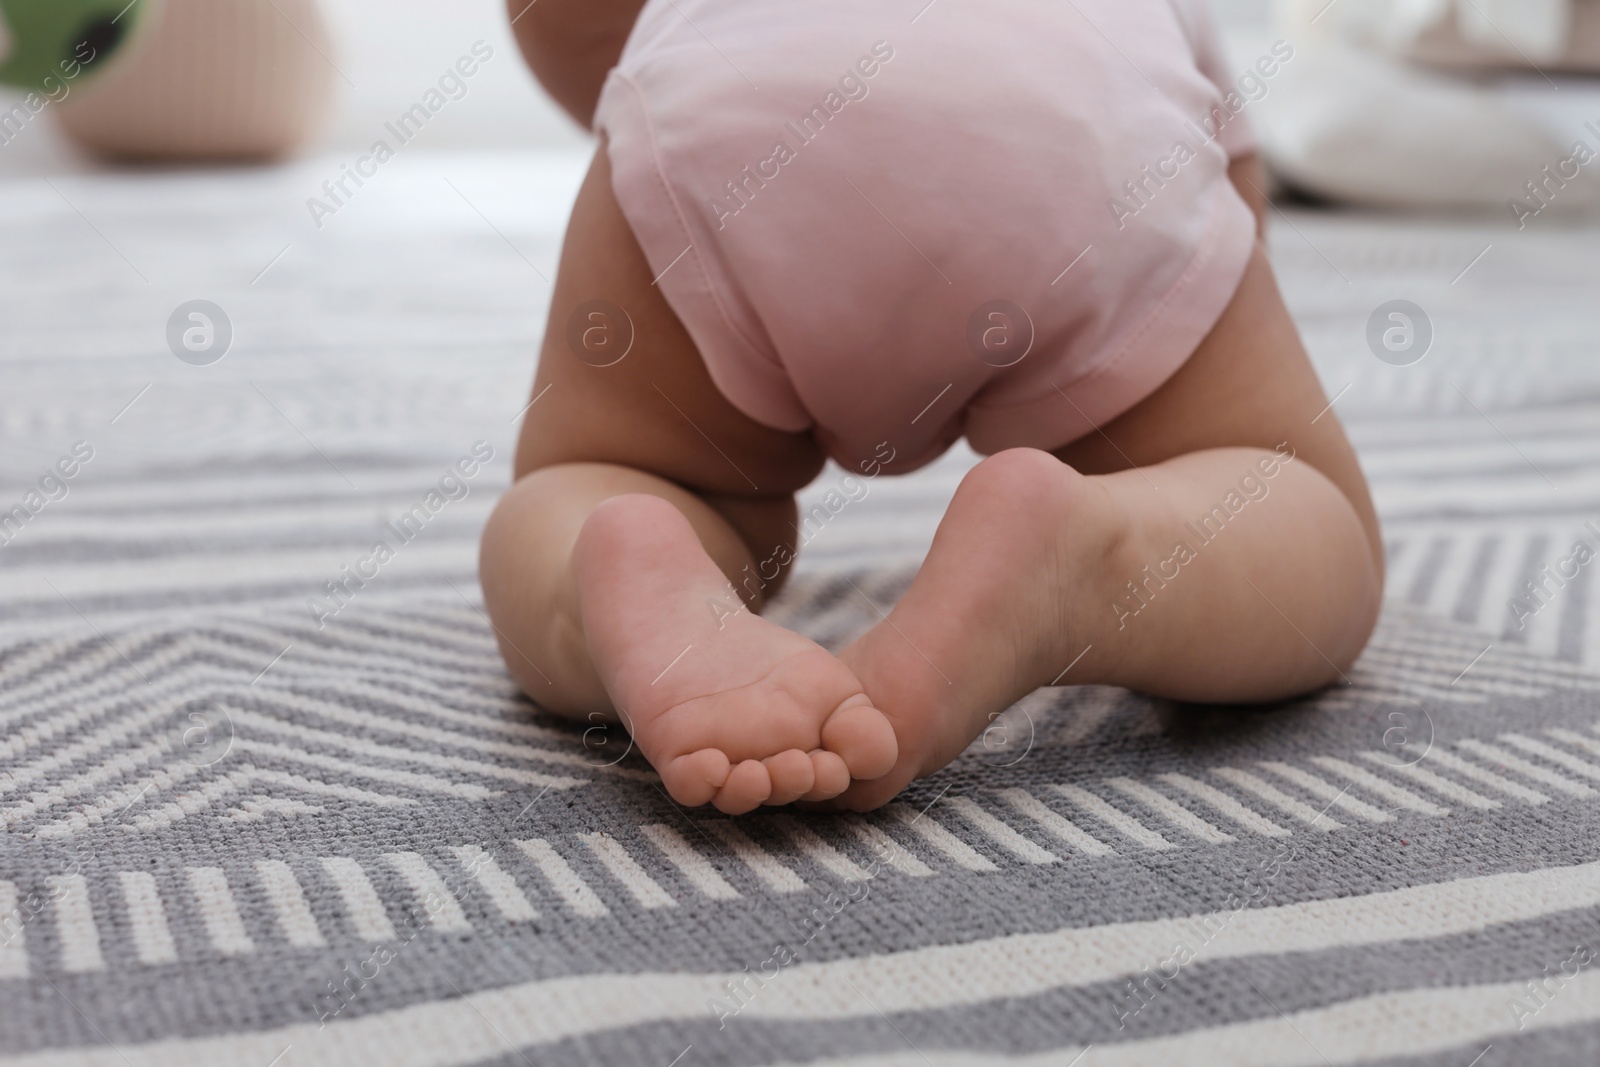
{"x": 991, "y": 616}
{"x": 730, "y": 708}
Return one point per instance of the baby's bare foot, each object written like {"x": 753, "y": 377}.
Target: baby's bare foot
{"x": 994, "y": 613}
{"x": 728, "y": 707}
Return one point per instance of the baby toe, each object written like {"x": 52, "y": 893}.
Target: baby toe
{"x": 862, "y": 737}
{"x": 830, "y": 776}
{"x": 747, "y": 788}
{"x": 792, "y": 776}
{"x": 693, "y": 779}
{"x": 867, "y": 796}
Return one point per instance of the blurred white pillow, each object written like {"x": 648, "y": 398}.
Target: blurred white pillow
{"x": 1532, "y": 34}
{"x": 1535, "y": 30}
{"x": 1360, "y": 116}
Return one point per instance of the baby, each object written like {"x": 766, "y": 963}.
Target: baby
{"x": 829, "y": 229}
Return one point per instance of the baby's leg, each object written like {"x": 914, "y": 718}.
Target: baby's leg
{"x": 641, "y": 493}
{"x": 1176, "y": 553}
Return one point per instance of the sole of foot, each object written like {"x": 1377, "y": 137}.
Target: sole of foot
{"x": 987, "y": 619}
{"x": 730, "y": 709}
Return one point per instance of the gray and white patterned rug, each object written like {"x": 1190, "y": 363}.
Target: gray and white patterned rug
{"x": 243, "y": 828}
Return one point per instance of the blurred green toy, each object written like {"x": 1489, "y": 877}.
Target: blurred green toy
{"x": 45, "y": 44}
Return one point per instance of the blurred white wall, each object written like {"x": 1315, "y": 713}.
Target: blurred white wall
{"x": 394, "y": 50}
{"x": 1243, "y": 13}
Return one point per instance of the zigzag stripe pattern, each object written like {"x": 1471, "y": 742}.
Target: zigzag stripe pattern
{"x": 591, "y": 875}
{"x": 143, "y": 711}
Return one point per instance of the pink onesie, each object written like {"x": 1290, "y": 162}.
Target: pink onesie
{"x": 1009, "y": 219}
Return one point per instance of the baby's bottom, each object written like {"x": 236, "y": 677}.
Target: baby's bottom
{"x": 642, "y": 493}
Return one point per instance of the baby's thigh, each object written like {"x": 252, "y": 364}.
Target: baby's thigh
{"x": 1250, "y": 384}
{"x": 620, "y": 380}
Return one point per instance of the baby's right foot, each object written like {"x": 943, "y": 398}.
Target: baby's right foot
{"x": 729, "y": 708}
{"x": 992, "y": 615}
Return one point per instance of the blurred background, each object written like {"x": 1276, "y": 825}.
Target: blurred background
{"x": 390, "y": 52}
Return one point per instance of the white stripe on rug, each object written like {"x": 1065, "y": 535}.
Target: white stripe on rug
{"x": 289, "y": 904}
{"x": 563, "y": 879}
{"x": 1415, "y": 1022}
{"x": 615, "y": 857}
{"x": 219, "y": 911}
{"x": 147, "y": 919}
{"x": 433, "y": 895}
{"x": 934, "y": 833}
{"x": 362, "y": 905}
{"x": 221, "y": 573}
{"x": 949, "y": 976}
{"x": 13, "y": 948}
{"x": 500, "y": 887}
{"x": 1055, "y": 823}
{"x": 695, "y": 867}
{"x": 1000, "y": 833}
{"x": 824, "y": 854}
{"x": 75, "y": 926}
